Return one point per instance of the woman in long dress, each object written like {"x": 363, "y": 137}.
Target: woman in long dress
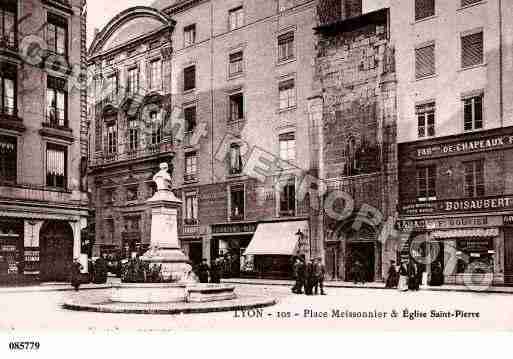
{"x": 403, "y": 277}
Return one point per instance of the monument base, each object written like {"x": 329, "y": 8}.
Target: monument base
{"x": 176, "y": 267}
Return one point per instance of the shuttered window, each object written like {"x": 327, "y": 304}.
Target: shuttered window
{"x": 425, "y": 61}
{"x": 56, "y": 166}
{"x": 424, "y": 8}
{"x": 472, "y": 49}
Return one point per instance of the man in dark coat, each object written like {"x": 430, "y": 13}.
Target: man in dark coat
{"x": 100, "y": 270}
{"x": 215, "y": 270}
{"x": 309, "y": 278}
{"x": 298, "y": 269}
{"x": 413, "y": 275}
{"x": 393, "y": 276}
{"x": 318, "y": 274}
{"x": 203, "y": 271}
{"x": 76, "y": 269}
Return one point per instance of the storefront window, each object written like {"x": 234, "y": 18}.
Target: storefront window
{"x": 475, "y": 255}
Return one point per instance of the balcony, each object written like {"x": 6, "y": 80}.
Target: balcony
{"x": 149, "y": 151}
{"x": 39, "y": 193}
{"x": 10, "y": 121}
{"x": 190, "y": 177}
{"x": 56, "y": 127}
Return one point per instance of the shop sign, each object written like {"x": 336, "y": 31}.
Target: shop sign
{"x": 213, "y": 196}
{"x": 465, "y": 205}
{"x": 31, "y": 255}
{"x": 234, "y": 228}
{"x": 464, "y": 147}
{"x": 453, "y": 222}
{"x": 475, "y": 245}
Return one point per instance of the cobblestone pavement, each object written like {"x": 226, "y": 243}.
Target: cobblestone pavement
{"x": 42, "y": 311}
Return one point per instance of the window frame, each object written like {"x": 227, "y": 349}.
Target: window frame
{"x": 419, "y": 76}
{"x": 237, "y": 14}
{"x": 287, "y": 87}
{"x": 192, "y": 199}
{"x": 284, "y": 145}
{"x": 473, "y": 98}
{"x": 189, "y": 78}
{"x": 9, "y": 163}
{"x": 429, "y": 173}
{"x": 8, "y": 72}
{"x": 51, "y": 182}
{"x": 467, "y": 35}
{"x": 474, "y": 180}
{"x": 56, "y": 86}
{"x": 12, "y": 37}
{"x": 155, "y": 81}
{"x": 286, "y": 46}
{"x": 422, "y": 113}
{"x": 287, "y": 197}
{"x": 239, "y": 64}
{"x": 241, "y": 189}
{"x": 189, "y": 29}
{"x": 133, "y": 135}
{"x": 132, "y": 82}
{"x": 417, "y": 17}
{"x": 58, "y": 22}
{"x": 235, "y": 165}
{"x": 238, "y": 106}
{"x": 191, "y": 166}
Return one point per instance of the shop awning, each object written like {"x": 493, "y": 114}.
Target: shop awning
{"x": 465, "y": 233}
{"x": 276, "y": 238}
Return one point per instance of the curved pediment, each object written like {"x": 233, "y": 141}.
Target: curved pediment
{"x": 128, "y": 25}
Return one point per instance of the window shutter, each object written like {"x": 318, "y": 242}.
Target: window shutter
{"x": 425, "y": 61}
{"x": 424, "y": 8}
{"x": 472, "y": 49}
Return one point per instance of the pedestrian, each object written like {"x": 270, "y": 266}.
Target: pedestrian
{"x": 215, "y": 270}
{"x": 413, "y": 275}
{"x": 76, "y": 270}
{"x": 437, "y": 274}
{"x": 319, "y": 271}
{"x": 309, "y": 277}
{"x": 100, "y": 270}
{"x": 403, "y": 277}
{"x": 296, "y": 269}
{"x": 393, "y": 276}
{"x": 203, "y": 271}
{"x": 358, "y": 275}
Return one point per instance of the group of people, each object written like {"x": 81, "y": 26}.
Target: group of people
{"x": 212, "y": 273}
{"x": 308, "y": 276}
{"x": 408, "y": 276}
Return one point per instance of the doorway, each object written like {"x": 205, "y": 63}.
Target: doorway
{"x": 195, "y": 253}
{"x": 364, "y": 254}
{"x": 508, "y": 255}
{"x": 56, "y": 250}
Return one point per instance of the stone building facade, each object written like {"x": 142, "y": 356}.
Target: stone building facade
{"x": 43, "y": 138}
{"x": 454, "y": 126}
{"x": 356, "y": 109}
{"x": 236, "y": 86}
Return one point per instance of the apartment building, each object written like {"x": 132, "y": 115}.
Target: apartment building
{"x": 43, "y": 138}
{"x": 235, "y": 126}
{"x": 454, "y": 131}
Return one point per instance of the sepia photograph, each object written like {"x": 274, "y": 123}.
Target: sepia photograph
{"x": 255, "y": 166}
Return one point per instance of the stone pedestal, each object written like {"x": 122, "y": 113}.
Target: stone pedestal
{"x": 164, "y": 247}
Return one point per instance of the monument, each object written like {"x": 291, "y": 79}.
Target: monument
{"x": 164, "y": 247}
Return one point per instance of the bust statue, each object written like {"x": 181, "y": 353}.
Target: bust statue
{"x": 162, "y": 178}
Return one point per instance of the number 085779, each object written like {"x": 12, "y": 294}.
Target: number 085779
{"x": 24, "y": 346}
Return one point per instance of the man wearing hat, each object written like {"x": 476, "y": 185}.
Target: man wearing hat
{"x": 318, "y": 273}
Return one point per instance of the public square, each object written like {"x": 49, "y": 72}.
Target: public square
{"x": 42, "y": 312}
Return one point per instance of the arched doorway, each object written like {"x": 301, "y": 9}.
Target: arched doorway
{"x": 56, "y": 250}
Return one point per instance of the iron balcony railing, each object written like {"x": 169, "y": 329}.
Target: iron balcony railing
{"x": 150, "y": 150}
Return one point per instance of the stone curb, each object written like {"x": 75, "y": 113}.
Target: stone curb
{"x": 183, "y": 310}
{"x": 51, "y": 289}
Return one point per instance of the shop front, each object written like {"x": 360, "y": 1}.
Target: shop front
{"x": 274, "y": 246}
{"x": 229, "y": 241}
{"x": 11, "y": 251}
{"x": 468, "y": 250}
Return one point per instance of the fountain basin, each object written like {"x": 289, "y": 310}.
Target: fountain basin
{"x": 171, "y": 292}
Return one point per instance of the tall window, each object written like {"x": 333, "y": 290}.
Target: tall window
{"x": 236, "y": 63}
{"x": 156, "y": 127}
{"x": 474, "y": 179}
{"x": 286, "y": 46}
{"x": 133, "y": 135}
{"x": 8, "y": 90}
{"x": 424, "y": 8}
{"x": 112, "y": 137}
{"x": 133, "y": 81}
{"x": 287, "y": 94}
{"x": 56, "y": 167}
{"x": 8, "y": 159}
{"x": 190, "y": 119}
{"x": 57, "y": 34}
{"x": 426, "y": 119}
{"x": 288, "y": 147}
{"x": 191, "y": 161}
{"x": 189, "y": 35}
{"x": 56, "y": 102}
{"x": 426, "y": 183}
{"x": 288, "y": 198}
{"x": 473, "y": 113}
{"x": 156, "y": 75}
{"x": 8, "y": 30}
{"x": 191, "y": 208}
{"x": 111, "y": 87}
{"x": 235, "y": 159}
{"x": 472, "y": 50}
{"x": 237, "y": 202}
{"x": 236, "y": 18}
{"x": 237, "y": 107}
{"x": 425, "y": 61}
{"x": 189, "y": 78}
